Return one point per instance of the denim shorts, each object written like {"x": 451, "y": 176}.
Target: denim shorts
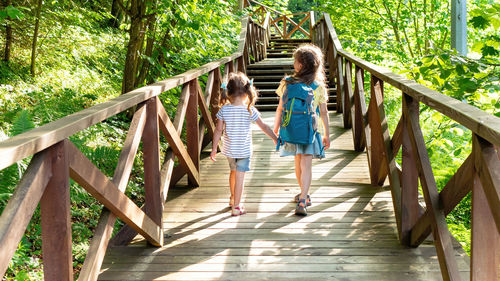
{"x": 239, "y": 164}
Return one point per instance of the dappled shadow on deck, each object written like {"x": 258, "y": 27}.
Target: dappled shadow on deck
{"x": 349, "y": 234}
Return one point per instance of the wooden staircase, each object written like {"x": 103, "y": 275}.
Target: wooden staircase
{"x": 268, "y": 73}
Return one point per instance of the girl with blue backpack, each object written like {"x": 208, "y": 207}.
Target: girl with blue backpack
{"x": 302, "y": 104}
{"x": 234, "y": 119}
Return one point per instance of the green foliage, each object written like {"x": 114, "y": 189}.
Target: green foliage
{"x": 413, "y": 39}
{"x": 22, "y": 123}
{"x": 80, "y": 63}
{"x": 300, "y": 6}
{"x": 10, "y": 13}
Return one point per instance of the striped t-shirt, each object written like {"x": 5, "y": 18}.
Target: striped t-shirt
{"x": 237, "y": 142}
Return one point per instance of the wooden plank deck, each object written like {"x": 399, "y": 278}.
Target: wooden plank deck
{"x": 349, "y": 234}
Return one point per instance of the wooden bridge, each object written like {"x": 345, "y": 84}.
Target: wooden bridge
{"x": 367, "y": 221}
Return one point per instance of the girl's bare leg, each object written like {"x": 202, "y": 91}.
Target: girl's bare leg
{"x": 306, "y": 174}
{"x": 232, "y": 182}
{"x": 238, "y": 186}
{"x": 298, "y": 171}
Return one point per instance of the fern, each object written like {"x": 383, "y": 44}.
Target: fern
{"x": 22, "y": 123}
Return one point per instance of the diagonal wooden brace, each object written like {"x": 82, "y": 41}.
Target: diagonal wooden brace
{"x": 85, "y": 173}
{"x": 175, "y": 142}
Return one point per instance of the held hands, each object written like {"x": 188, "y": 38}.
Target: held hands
{"x": 276, "y": 131}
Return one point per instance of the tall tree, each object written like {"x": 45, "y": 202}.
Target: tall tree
{"x": 137, "y": 14}
{"x": 35, "y": 37}
{"x": 115, "y": 13}
{"x": 8, "y": 34}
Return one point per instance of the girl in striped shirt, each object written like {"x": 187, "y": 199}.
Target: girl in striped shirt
{"x": 234, "y": 118}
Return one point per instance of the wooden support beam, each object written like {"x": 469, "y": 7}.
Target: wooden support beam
{"x": 349, "y": 109}
{"x": 380, "y": 134}
{"x": 215, "y": 93}
{"x": 241, "y": 64}
{"x": 485, "y": 244}
{"x": 83, "y": 171}
{"x": 192, "y": 131}
{"x": 330, "y": 58}
{"x": 359, "y": 110}
{"x": 297, "y": 26}
{"x": 376, "y": 112}
{"x": 339, "y": 80}
{"x": 182, "y": 105}
{"x": 55, "y": 214}
{"x": 151, "y": 152}
{"x": 206, "y": 120}
{"x": 410, "y": 208}
{"x": 487, "y": 166}
{"x": 102, "y": 233}
{"x": 442, "y": 237}
{"x": 129, "y": 150}
{"x": 396, "y": 145}
{"x": 205, "y": 113}
{"x": 453, "y": 192}
{"x": 22, "y": 204}
{"x": 169, "y": 131}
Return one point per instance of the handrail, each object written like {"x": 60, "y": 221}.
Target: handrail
{"x": 471, "y": 117}
{"x": 56, "y": 160}
{"x": 267, "y": 7}
{"x": 263, "y": 9}
{"x": 479, "y": 174}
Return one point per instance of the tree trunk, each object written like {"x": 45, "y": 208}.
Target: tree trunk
{"x": 35, "y": 37}
{"x": 148, "y": 52}
{"x": 395, "y": 28}
{"x": 8, "y": 36}
{"x": 115, "y": 12}
{"x": 137, "y": 12}
{"x": 415, "y": 24}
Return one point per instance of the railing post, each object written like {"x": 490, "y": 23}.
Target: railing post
{"x": 360, "y": 110}
{"x": 409, "y": 178}
{"x": 151, "y": 150}
{"x": 241, "y": 65}
{"x": 192, "y": 129}
{"x": 377, "y": 164}
{"x": 485, "y": 244}
{"x": 340, "y": 79}
{"x": 348, "y": 96}
{"x": 312, "y": 21}
{"x": 326, "y": 34}
{"x": 216, "y": 91}
{"x": 285, "y": 36}
{"x": 55, "y": 219}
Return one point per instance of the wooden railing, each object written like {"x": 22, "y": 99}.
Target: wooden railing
{"x": 55, "y": 160}
{"x": 280, "y": 21}
{"x": 479, "y": 174}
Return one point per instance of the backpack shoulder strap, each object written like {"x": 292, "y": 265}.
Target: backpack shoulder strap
{"x": 314, "y": 85}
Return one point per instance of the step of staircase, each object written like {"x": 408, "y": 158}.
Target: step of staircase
{"x": 268, "y": 73}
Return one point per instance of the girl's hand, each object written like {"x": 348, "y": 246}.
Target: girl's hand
{"x": 326, "y": 142}
{"x": 212, "y": 155}
{"x": 276, "y": 131}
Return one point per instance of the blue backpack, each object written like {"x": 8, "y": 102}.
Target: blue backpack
{"x": 299, "y": 121}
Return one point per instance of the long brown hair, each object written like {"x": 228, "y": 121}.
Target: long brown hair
{"x": 311, "y": 58}
{"x": 238, "y": 84}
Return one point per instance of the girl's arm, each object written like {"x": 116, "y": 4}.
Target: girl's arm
{"x": 267, "y": 130}
{"x": 277, "y": 117}
{"x": 323, "y": 111}
{"x": 216, "y": 138}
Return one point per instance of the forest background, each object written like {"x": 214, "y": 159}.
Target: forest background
{"x": 59, "y": 57}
